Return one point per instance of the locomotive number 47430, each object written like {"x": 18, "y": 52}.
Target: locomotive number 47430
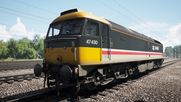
{"x": 93, "y": 42}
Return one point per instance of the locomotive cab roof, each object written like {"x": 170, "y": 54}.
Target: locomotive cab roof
{"x": 75, "y": 14}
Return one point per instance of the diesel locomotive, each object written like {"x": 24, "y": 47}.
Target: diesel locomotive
{"x": 84, "y": 49}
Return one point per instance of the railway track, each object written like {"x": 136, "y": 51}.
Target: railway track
{"x": 18, "y": 78}
{"x": 11, "y": 71}
{"x": 27, "y": 96}
{"x": 16, "y": 65}
{"x": 43, "y": 94}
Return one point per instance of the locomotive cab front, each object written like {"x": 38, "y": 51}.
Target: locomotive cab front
{"x": 73, "y": 42}
{"x": 62, "y": 41}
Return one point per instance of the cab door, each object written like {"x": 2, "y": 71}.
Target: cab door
{"x": 105, "y": 43}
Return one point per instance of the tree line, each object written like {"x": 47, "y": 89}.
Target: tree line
{"x": 22, "y": 48}
{"x": 174, "y": 52}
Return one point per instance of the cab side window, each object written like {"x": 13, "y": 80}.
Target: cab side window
{"x": 104, "y": 30}
{"x": 92, "y": 28}
{"x": 105, "y": 35}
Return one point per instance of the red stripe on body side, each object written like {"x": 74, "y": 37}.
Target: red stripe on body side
{"x": 129, "y": 53}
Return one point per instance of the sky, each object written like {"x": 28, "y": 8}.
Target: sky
{"x": 159, "y": 19}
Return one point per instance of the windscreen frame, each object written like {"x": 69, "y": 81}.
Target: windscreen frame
{"x": 52, "y": 24}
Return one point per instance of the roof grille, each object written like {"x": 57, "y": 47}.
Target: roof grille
{"x": 69, "y": 11}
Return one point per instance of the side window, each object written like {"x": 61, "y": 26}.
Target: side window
{"x": 53, "y": 32}
{"x": 56, "y": 32}
{"x": 104, "y": 33}
{"x": 92, "y": 28}
{"x": 50, "y": 32}
{"x": 104, "y": 30}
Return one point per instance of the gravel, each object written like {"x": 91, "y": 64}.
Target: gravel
{"x": 20, "y": 87}
{"x": 15, "y": 72}
{"x": 161, "y": 86}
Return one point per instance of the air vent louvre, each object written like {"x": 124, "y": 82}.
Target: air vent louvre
{"x": 69, "y": 11}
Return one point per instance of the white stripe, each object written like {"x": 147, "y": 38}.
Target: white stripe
{"x": 122, "y": 50}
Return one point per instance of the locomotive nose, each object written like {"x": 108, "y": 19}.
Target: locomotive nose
{"x": 38, "y": 70}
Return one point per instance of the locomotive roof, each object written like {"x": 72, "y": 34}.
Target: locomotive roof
{"x": 132, "y": 32}
{"x": 74, "y": 13}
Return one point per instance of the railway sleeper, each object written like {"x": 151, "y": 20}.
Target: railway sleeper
{"x": 19, "y": 80}
{"x": 10, "y": 81}
{"x": 11, "y": 78}
{"x": 29, "y": 78}
{"x": 2, "y": 79}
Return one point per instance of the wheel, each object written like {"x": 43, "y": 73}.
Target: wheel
{"x": 50, "y": 82}
{"x": 130, "y": 71}
{"x": 126, "y": 74}
{"x": 91, "y": 86}
{"x": 136, "y": 71}
{"x": 96, "y": 81}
